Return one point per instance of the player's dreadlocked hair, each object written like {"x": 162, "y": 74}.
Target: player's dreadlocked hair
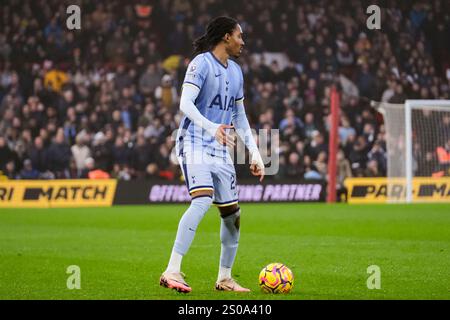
{"x": 215, "y": 30}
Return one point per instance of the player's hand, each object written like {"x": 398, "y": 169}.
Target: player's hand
{"x": 257, "y": 166}
{"x": 223, "y": 137}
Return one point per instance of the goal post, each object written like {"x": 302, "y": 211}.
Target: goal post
{"x": 333, "y": 143}
{"x": 417, "y": 142}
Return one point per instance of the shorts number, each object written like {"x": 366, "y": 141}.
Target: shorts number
{"x": 233, "y": 182}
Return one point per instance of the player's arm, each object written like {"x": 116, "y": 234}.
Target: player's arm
{"x": 244, "y": 131}
{"x": 187, "y": 106}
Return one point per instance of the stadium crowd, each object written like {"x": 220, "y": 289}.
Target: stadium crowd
{"x": 103, "y": 101}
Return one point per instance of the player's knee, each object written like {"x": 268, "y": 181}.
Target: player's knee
{"x": 237, "y": 222}
{"x": 202, "y": 199}
{"x": 228, "y": 210}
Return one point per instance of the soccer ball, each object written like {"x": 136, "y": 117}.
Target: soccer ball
{"x": 276, "y": 278}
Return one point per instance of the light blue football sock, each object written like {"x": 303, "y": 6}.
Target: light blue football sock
{"x": 189, "y": 223}
{"x": 229, "y": 236}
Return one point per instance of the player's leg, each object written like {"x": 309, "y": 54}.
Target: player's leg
{"x": 225, "y": 197}
{"x": 199, "y": 182}
{"x": 172, "y": 277}
{"x": 229, "y": 238}
{"x": 200, "y": 203}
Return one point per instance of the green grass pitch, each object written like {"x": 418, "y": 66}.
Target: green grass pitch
{"x": 121, "y": 251}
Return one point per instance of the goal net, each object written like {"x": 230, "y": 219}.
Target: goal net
{"x": 418, "y": 147}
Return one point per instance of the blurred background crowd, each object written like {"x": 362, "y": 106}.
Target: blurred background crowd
{"x": 103, "y": 101}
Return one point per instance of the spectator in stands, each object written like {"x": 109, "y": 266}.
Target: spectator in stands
{"x": 399, "y": 95}
{"x": 344, "y": 56}
{"x": 149, "y": 80}
{"x": 311, "y": 173}
{"x": 6, "y": 154}
{"x": 166, "y": 93}
{"x": 28, "y": 172}
{"x": 426, "y": 165}
{"x": 141, "y": 157}
{"x": 369, "y": 133}
{"x": 317, "y": 145}
{"x": 310, "y": 126}
{"x": 389, "y": 91}
{"x": 59, "y": 155}
{"x": 120, "y": 152}
{"x": 365, "y": 81}
{"x": 10, "y": 170}
{"x": 294, "y": 167}
{"x": 91, "y": 172}
{"x": 80, "y": 152}
{"x": 345, "y": 130}
{"x": 291, "y": 125}
{"x": 378, "y": 154}
{"x": 372, "y": 169}
{"x": 38, "y": 155}
{"x": 344, "y": 171}
{"x": 321, "y": 164}
{"x": 102, "y": 151}
{"x": 163, "y": 162}
{"x": 358, "y": 154}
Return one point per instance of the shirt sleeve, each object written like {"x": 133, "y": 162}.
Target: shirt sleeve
{"x": 187, "y": 106}
{"x": 197, "y": 72}
{"x": 240, "y": 95}
{"x": 242, "y": 127}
